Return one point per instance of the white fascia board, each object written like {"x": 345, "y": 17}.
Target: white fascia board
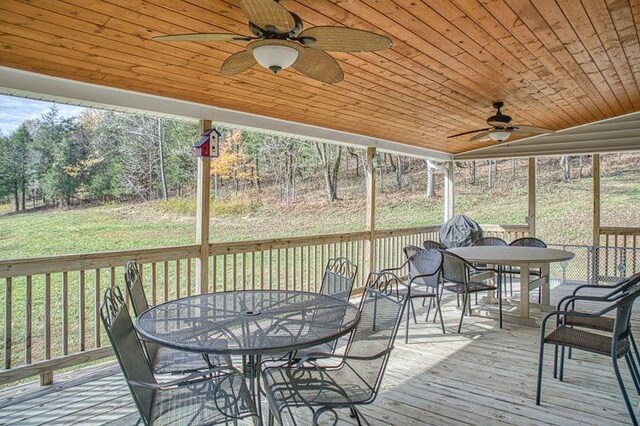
{"x": 42, "y": 87}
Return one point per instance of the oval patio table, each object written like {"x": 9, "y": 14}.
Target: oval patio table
{"x": 524, "y": 258}
{"x": 248, "y": 323}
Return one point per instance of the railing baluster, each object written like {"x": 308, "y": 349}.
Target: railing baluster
{"x": 27, "y": 319}
{"x": 214, "y": 273}
{"x": 81, "y": 311}
{"x": 235, "y": 272}
{"x": 261, "y": 269}
{"x": 65, "y": 312}
{"x": 188, "y": 277}
{"x": 96, "y": 311}
{"x": 165, "y": 265}
{"x": 244, "y": 271}
{"x": 154, "y": 283}
{"x": 286, "y": 268}
{"x": 7, "y": 322}
{"x": 253, "y": 270}
{"x": 224, "y": 273}
{"x": 178, "y": 283}
{"x": 47, "y": 316}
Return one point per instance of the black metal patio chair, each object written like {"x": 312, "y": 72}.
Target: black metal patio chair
{"x": 212, "y": 396}
{"x": 490, "y": 241}
{"x": 616, "y": 345}
{"x": 164, "y": 360}
{"x": 337, "y": 281}
{"x": 425, "y": 266}
{"x": 354, "y": 378}
{"x": 536, "y": 272}
{"x": 606, "y": 324}
{"x": 457, "y": 275}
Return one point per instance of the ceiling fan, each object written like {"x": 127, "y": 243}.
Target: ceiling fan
{"x": 279, "y": 42}
{"x": 502, "y": 128}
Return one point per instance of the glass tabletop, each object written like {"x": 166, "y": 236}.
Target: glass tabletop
{"x": 248, "y": 322}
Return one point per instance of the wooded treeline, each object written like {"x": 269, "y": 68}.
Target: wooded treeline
{"x": 102, "y": 156}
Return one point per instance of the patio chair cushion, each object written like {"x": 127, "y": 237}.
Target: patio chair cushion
{"x": 585, "y": 340}
{"x": 312, "y": 385}
{"x": 203, "y": 402}
{"x": 597, "y": 323}
{"x": 473, "y": 287}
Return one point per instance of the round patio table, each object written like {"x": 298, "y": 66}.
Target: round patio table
{"x": 248, "y": 323}
{"x": 525, "y": 258}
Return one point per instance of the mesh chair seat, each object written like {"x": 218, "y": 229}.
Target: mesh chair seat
{"x": 217, "y": 401}
{"x": 168, "y": 359}
{"x": 596, "y": 323}
{"x": 316, "y": 386}
{"x": 586, "y": 341}
{"x": 472, "y": 287}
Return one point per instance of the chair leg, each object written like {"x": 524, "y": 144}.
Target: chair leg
{"x": 625, "y": 396}
{"x": 635, "y": 347}
{"x": 439, "y": 311}
{"x": 413, "y": 309}
{"x": 633, "y": 370}
{"x": 441, "y": 293}
{"x": 562, "y": 364}
{"x": 465, "y": 300}
{"x": 408, "y": 308}
{"x": 555, "y": 362}
{"x": 428, "y": 307}
{"x": 539, "y": 384}
{"x": 469, "y": 303}
{"x": 500, "y": 298}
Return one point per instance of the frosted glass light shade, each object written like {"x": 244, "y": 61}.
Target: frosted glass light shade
{"x": 275, "y": 57}
{"x": 499, "y": 136}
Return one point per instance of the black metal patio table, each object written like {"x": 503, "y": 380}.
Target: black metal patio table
{"x": 248, "y": 323}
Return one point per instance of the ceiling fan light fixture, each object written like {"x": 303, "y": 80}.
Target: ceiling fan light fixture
{"x": 499, "y": 135}
{"x": 275, "y": 57}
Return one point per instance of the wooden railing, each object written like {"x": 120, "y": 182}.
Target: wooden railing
{"x": 506, "y": 232}
{"x": 50, "y": 305}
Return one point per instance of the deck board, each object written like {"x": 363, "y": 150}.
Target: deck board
{"x": 482, "y": 376}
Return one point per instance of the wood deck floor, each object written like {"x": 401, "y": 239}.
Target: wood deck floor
{"x": 484, "y": 376}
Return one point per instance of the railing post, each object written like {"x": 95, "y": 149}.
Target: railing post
{"x": 370, "y": 244}
{"x": 202, "y": 216}
{"x": 596, "y": 199}
{"x": 532, "y": 197}
{"x": 449, "y": 191}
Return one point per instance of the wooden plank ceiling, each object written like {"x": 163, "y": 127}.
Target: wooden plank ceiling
{"x": 555, "y": 63}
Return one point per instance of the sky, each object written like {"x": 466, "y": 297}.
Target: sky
{"x": 14, "y": 110}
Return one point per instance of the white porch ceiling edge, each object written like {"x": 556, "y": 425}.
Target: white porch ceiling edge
{"x": 42, "y": 87}
{"x": 615, "y": 134}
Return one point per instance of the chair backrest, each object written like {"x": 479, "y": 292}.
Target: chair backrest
{"x": 409, "y": 251}
{"x": 490, "y": 241}
{"x": 529, "y": 242}
{"x": 426, "y": 262}
{"x": 128, "y": 350}
{"x": 381, "y": 310}
{"x": 454, "y": 268}
{"x": 339, "y": 277}
{"x": 430, "y": 244}
{"x": 624, "y": 306}
{"x": 135, "y": 288}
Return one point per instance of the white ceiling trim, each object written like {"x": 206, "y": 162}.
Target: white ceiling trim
{"x": 615, "y": 134}
{"x": 42, "y": 87}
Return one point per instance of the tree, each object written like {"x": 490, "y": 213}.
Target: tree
{"x": 17, "y": 167}
{"x": 232, "y": 164}
{"x": 330, "y": 156}
{"x": 431, "y": 188}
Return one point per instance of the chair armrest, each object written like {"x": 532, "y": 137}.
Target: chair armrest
{"x": 599, "y": 287}
{"x": 320, "y": 355}
{"x": 197, "y": 377}
{"x": 611, "y": 297}
{"x": 422, "y": 276}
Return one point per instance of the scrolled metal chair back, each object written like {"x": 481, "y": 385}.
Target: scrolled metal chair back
{"x": 381, "y": 309}
{"x": 339, "y": 277}
{"x": 528, "y": 242}
{"x": 490, "y": 241}
{"x": 426, "y": 262}
{"x": 454, "y": 268}
{"x": 430, "y": 244}
{"x": 135, "y": 288}
{"x": 127, "y": 348}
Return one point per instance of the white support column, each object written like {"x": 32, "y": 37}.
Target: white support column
{"x": 449, "y": 191}
{"x": 532, "y": 197}
{"x": 596, "y": 199}
{"x": 370, "y": 244}
{"x": 202, "y": 216}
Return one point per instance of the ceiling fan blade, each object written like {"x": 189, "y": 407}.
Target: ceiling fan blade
{"x": 203, "y": 37}
{"x": 319, "y": 65}
{"x": 237, "y": 63}
{"x": 532, "y": 129}
{"x": 342, "y": 39}
{"x": 267, "y": 14}
{"x": 481, "y": 136}
{"x": 468, "y": 133}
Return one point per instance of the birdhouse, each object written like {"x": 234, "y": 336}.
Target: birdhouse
{"x": 209, "y": 144}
